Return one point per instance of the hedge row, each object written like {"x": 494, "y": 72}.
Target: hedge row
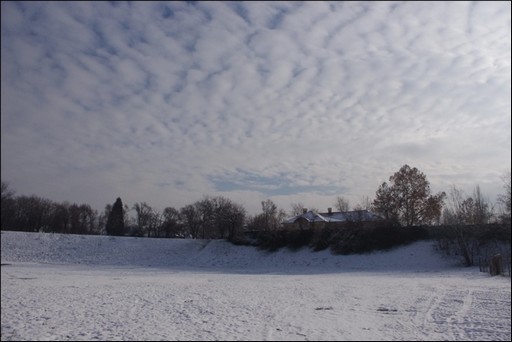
{"x": 348, "y": 240}
{"x": 362, "y": 239}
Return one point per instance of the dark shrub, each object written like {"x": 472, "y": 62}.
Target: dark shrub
{"x": 366, "y": 239}
{"x": 348, "y": 239}
{"x": 271, "y": 240}
{"x": 296, "y": 239}
{"x": 321, "y": 239}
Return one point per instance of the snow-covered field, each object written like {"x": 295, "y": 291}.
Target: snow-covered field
{"x": 73, "y": 287}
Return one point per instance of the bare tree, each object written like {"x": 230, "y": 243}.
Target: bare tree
{"x": 364, "y": 204}
{"x": 270, "y": 218}
{"x": 155, "y": 223}
{"x": 144, "y": 218}
{"x": 5, "y": 191}
{"x": 76, "y": 222}
{"x": 221, "y": 210}
{"x": 127, "y": 220}
{"x": 460, "y": 215}
{"x": 103, "y": 217}
{"x": 29, "y": 213}
{"x": 229, "y": 218}
{"x": 297, "y": 209}
{"x": 206, "y": 208}
{"x": 81, "y": 219}
{"x": 341, "y": 204}
{"x": 191, "y": 219}
{"x": 60, "y": 218}
{"x": 171, "y": 223}
{"x": 270, "y": 214}
{"x": 7, "y": 205}
{"x": 462, "y": 209}
{"x": 505, "y": 199}
{"x": 219, "y": 217}
{"x": 482, "y": 208}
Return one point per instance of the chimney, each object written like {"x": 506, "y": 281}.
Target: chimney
{"x": 304, "y": 210}
{"x": 329, "y": 210}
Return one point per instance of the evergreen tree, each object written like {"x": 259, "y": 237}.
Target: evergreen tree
{"x": 115, "y": 221}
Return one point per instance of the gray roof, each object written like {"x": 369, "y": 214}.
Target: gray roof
{"x": 341, "y": 216}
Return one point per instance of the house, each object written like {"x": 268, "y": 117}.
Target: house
{"x": 311, "y": 219}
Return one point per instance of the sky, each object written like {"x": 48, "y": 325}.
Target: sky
{"x": 72, "y": 288}
{"x": 166, "y": 103}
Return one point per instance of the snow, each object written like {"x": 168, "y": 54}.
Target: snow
{"x": 74, "y": 287}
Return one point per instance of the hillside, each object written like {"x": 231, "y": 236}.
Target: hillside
{"x": 185, "y": 253}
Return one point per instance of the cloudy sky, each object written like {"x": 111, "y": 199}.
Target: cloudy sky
{"x": 290, "y": 101}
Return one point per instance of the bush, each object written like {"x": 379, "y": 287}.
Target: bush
{"x": 271, "y": 240}
{"x": 473, "y": 242}
{"x": 341, "y": 240}
{"x": 240, "y": 240}
{"x": 363, "y": 239}
{"x": 321, "y": 239}
{"x": 296, "y": 239}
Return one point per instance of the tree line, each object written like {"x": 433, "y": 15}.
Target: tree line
{"x": 405, "y": 200}
{"x": 210, "y": 218}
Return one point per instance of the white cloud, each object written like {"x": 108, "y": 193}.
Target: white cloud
{"x": 105, "y": 99}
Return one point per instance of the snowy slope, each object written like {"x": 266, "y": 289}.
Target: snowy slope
{"x": 169, "y": 253}
{"x": 72, "y": 287}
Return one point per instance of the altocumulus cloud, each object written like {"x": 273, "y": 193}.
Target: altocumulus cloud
{"x": 167, "y": 102}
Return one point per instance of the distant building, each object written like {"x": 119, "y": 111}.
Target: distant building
{"x": 311, "y": 219}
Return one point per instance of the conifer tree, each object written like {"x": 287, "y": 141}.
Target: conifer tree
{"x": 115, "y": 221}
